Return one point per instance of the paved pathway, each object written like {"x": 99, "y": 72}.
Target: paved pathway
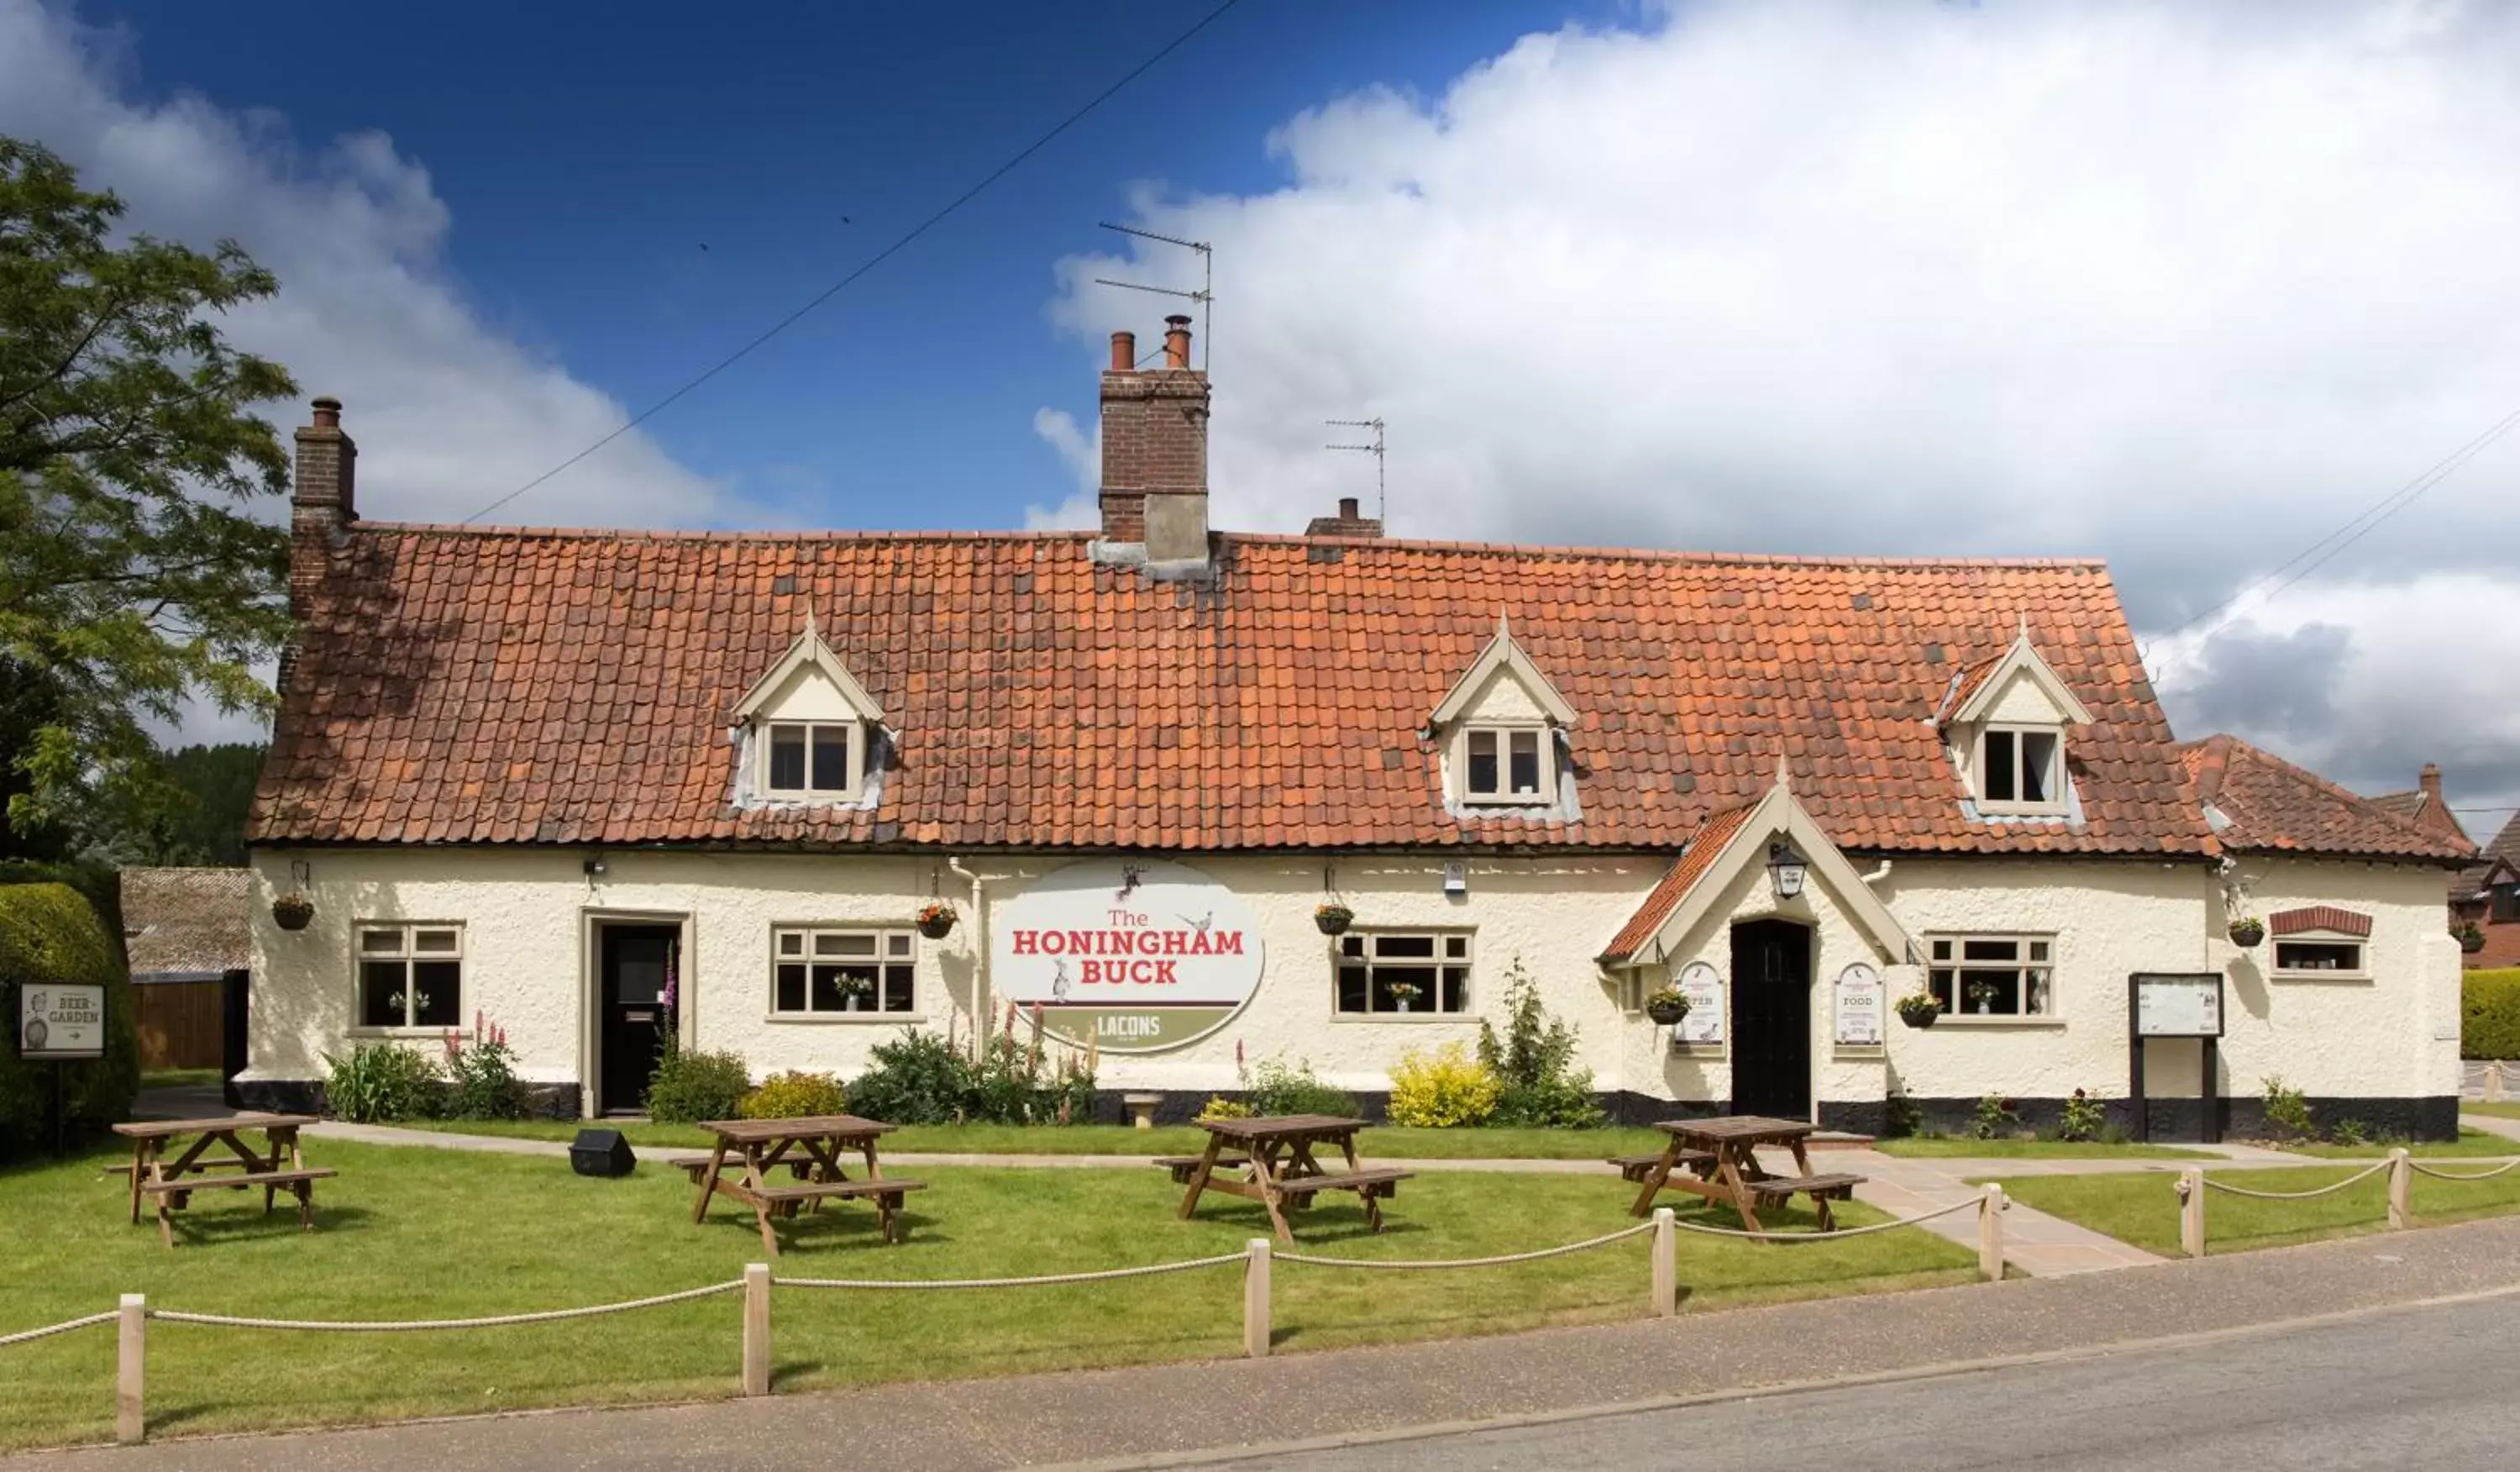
{"x": 1166, "y": 1415}
{"x": 2491, "y": 1123}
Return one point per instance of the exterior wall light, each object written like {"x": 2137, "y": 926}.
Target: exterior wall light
{"x": 1786, "y": 870}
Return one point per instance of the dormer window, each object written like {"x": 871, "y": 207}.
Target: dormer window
{"x": 2021, "y": 771}
{"x": 1499, "y": 729}
{"x": 1502, "y": 764}
{"x": 814, "y": 759}
{"x": 808, "y": 730}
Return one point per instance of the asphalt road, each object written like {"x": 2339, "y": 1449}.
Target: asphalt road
{"x": 2431, "y": 1388}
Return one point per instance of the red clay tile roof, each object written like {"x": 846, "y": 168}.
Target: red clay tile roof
{"x": 468, "y": 685}
{"x": 1675, "y": 885}
{"x": 2419, "y": 808}
{"x": 2319, "y": 917}
{"x": 2503, "y": 846}
{"x": 1963, "y": 685}
{"x": 2271, "y": 804}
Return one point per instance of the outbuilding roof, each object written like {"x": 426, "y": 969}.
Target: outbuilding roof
{"x": 185, "y": 922}
{"x": 463, "y": 685}
{"x": 2257, "y": 800}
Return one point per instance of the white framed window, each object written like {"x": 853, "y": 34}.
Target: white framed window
{"x": 2318, "y": 954}
{"x": 1993, "y": 977}
{"x": 2021, "y": 769}
{"x": 410, "y": 974}
{"x": 1389, "y": 973}
{"x": 1506, "y": 764}
{"x": 830, "y": 971}
{"x": 813, "y": 759}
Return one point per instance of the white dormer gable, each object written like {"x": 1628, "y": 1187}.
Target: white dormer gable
{"x": 804, "y": 728}
{"x": 2006, "y": 725}
{"x": 1500, "y": 728}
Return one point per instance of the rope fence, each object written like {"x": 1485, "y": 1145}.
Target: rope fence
{"x": 397, "y": 1326}
{"x": 28, "y": 1336}
{"x": 1503, "y": 1260}
{"x": 2400, "y": 1167}
{"x": 2487, "y": 1079}
{"x": 1046, "y": 1280}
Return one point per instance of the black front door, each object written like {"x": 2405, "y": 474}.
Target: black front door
{"x": 1771, "y": 1019}
{"x": 631, "y": 1021}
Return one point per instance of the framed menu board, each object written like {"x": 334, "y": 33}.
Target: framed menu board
{"x": 1703, "y": 1027}
{"x": 2177, "y": 1004}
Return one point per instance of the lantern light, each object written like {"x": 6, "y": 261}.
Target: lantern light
{"x": 1786, "y": 870}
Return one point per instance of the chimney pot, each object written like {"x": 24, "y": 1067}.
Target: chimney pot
{"x": 328, "y": 413}
{"x": 1124, "y": 352}
{"x": 1348, "y": 509}
{"x": 1177, "y": 341}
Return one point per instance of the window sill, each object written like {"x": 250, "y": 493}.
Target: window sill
{"x": 2321, "y": 976}
{"x": 846, "y": 1019}
{"x": 1410, "y": 1019}
{"x": 1987, "y": 809}
{"x": 1995, "y": 1019}
{"x": 431, "y": 1034}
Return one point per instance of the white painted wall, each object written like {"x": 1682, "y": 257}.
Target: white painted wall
{"x": 526, "y": 917}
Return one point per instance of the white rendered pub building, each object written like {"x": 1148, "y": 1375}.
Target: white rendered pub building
{"x": 586, "y": 785}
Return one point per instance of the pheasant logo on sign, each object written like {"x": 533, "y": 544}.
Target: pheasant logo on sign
{"x": 1130, "y": 957}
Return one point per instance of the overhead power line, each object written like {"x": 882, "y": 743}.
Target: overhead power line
{"x": 2320, "y": 553}
{"x": 879, "y": 258}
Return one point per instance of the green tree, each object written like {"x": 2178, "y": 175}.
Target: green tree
{"x": 202, "y": 822}
{"x": 133, "y": 575}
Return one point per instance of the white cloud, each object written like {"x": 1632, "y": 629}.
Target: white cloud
{"x": 449, "y": 414}
{"x": 2183, "y": 285}
{"x": 1082, "y": 454}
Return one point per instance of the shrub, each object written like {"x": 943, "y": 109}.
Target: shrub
{"x": 2490, "y": 1013}
{"x": 1533, "y": 1062}
{"x": 52, "y": 933}
{"x": 917, "y": 1079}
{"x": 1277, "y": 1086}
{"x": 793, "y": 1096}
{"x": 381, "y": 1083}
{"x": 1901, "y": 1116}
{"x": 1447, "y": 1089}
{"x": 2287, "y": 1111}
{"x": 2085, "y": 1118}
{"x": 1220, "y": 1106}
{"x": 2349, "y": 1132}
{"x": 1995, "y": 1119}
{"x": 482, "y": 1077}
{"x": 693, "y": 1085}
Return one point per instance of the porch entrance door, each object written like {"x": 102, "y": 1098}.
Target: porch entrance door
{"x": 1771, "y": 1019}
{"x": 630, "y": 1022}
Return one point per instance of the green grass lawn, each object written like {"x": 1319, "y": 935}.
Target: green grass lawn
{"x": 1382, "y": 1142}
{"x": 2504, "y": 1111}
{"x": 2469, "y": 1142}
{"x": 1948, "y": 1147}
{"x": 407, "y": 1232}
{"x": 2143, "y": 1209}
{"x": 178, "y": 1078}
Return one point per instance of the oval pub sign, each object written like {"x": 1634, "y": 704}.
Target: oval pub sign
{"x": 1132, "y": 955}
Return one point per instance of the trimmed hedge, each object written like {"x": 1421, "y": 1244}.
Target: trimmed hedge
{"x": 2490, "y": 1013}
{"x": 50, "y": 934}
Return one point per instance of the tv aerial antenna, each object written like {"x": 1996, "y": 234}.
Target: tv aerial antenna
{"x": 1206, "y": 296}
{"x": 1375, "y": 450}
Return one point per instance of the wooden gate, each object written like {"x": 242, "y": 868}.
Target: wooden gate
{"x": 180, "y": 1024}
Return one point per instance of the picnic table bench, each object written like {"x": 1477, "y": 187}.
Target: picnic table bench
{"x": 1281, "y": 1172}
{"x": 169, "y": 1184}
{"x": 1722, "y": 1157}
{"x": 811, "y": 1149}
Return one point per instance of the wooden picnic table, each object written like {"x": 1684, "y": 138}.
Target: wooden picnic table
{"x": 811, "y": 1149}
{"x": 1279, "y": 1172}
{"x": 1720, "y": 1155}
{"x": 172, "y": 1182}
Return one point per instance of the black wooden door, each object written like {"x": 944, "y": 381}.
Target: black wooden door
{"x": 632, "y": 1021}
{"x": 1771, "y": 1019}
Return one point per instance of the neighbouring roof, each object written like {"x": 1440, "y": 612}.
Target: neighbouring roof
{"x": 2419, "y": 808}
{"x": 516, "y": 687}
{"x": 2257, "y": 800}
{"x": 186, "y": 921}
{"x": 2505, "y": 848}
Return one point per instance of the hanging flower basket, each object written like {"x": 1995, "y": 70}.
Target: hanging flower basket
{"x": 292, "y": 911}
{"x": 1920, "y": 1009}
{"x": 935, "y": 920}
{"x": 2247, "y": 931}
{"x": 1334, "y": 918}
{"x": 1667, "y": 1006}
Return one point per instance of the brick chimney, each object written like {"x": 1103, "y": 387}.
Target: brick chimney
{"x": 2429, "y": 779}
{"x": 328, "y": 462}
{"x": 1348, "y": 523}
{"x": 1155, "y": 452}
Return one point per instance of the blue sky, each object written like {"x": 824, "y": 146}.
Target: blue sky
{"x": 587, "y": 153}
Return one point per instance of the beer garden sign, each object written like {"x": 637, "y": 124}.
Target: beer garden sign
{"x": 1129, "y": 956}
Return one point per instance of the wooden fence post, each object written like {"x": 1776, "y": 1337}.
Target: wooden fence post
{"x": 756, "y": 1329}
{"x": 1990, "y": 1232}
{"x": 2191, "y": 1211}
{"x": 1255, "y": 1301}
{"x": 1666, "y": 1262}
{"x": 2401, "y": 1176}
{"x": 130, "y": 1421}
